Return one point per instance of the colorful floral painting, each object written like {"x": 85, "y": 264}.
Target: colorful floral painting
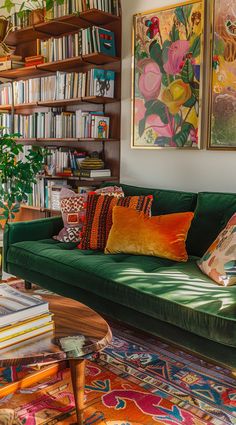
{"x": 223, "y": 110}
{"x": 167, "y": 78}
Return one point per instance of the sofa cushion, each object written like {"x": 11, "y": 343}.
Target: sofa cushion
{"x": 162, "y": 236}
{"x": 164, "y": 201}
{"x": 212, "y": 214}
{"x": 177, "y": 293}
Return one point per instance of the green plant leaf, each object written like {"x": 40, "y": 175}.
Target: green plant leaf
{"x": 179, "y": 13}
{"x": 190, "y": 102}
{"x": 167, "y": 79}
{"x": 181, "y": 137}
{"x": 165, "y": 49}
{"x": 142, "y": 125}
{"x": 156, "y": 54}
{"x": 187, "y": 72}
{"x": 158, "y": 108}
{"x": 195, "y": 48}
{"x": 187, "y": 10}
{"x": 174, "y": 33}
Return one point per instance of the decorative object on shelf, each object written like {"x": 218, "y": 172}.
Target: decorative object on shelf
{"x": 223, "y": 76}
{"x": 16, "y": 176}
{"x": 5, "y": 28}
{"x": 167, "y": 82}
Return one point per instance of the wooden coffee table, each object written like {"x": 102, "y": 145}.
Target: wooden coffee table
{"x": 72, "y": 320}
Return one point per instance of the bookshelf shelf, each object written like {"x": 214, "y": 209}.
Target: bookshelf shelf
{"x": 75, "y": 63}
{"x": 13, "y": 74}
{"x": 63, "y": 142}
{"x": 60, "y": 103}
{"x": 60, "y": 26}
{"x": 85, "y": 182}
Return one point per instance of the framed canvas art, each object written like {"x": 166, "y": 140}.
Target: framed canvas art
{"x": 167, "y": 77}
{"x": 222, "y": 134}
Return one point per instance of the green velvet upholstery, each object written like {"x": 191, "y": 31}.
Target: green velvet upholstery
{"x": 176, "y": 293}
{"x": 213, "y": 211}
{"x": 172, "y": 300}
{"x": 164, "y": 201}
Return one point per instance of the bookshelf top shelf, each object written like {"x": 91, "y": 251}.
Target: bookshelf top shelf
{"x": 60, "y": 26}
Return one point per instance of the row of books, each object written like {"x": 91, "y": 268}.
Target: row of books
{"x": 62, "y": 86}
{"x": 86, "y": 41}
{"x": 68, "y": 7}
{"x": 22, "y": 316}
{"x": 72, "y": 6}
{"x": 58, "y": 125}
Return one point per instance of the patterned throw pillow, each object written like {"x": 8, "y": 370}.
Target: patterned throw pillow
{"x": 98, "y": 221}
{"x": 219, "y": 262}
{"x": 73, "y": 209}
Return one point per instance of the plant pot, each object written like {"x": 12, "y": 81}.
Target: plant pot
{"x": 4, "y": 28}
{"x": 37, "y": 16}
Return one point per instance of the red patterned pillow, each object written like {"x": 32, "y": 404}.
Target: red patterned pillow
{"x": 98, "y": 220}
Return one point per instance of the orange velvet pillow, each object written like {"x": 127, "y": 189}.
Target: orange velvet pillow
{"x": 162, "y": 236}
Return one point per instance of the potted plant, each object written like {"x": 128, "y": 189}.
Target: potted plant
{"x": 16, "y": 176}
{"x": 36, "y": 8}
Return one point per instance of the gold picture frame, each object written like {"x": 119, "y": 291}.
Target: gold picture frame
{"x": 222, "y": 76}
{"x": 167, "y": 77}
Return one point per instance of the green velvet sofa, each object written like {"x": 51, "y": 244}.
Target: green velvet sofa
{"x": 172, "y": 300}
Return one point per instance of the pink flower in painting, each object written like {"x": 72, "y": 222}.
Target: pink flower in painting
{"x": 164, "y": 130}
{"x": 150, "y": 81}
{"x": 140, "y": 110}
{"x": 176, "y": 54}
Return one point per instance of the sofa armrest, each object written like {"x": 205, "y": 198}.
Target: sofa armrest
{"x": 29, "y": 231}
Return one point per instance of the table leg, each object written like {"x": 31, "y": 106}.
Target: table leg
{"x": 77, "y": 369}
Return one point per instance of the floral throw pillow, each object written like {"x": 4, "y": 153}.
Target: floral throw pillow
{"x": 73, "y": 209}
{"x": 219, "y": 262}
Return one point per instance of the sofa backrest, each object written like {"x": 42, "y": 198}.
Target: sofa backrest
{"x": 212, "y": 212}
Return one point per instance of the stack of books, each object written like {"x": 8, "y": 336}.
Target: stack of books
{"x": 62, "y": 125}
{"x": 10, "y": 62}
{"x": 86, "y": 41}
{"x": 34, "y": 60}
{"x": 22, "y": 316}
{"x": 26, "y": 91}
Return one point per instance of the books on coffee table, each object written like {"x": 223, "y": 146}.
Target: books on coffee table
{"x": 22, "y": 316}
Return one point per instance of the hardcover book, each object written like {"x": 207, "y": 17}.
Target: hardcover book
{"x": 104, "y": 83}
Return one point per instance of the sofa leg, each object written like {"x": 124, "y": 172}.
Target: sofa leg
{"x": 28, "y": 285}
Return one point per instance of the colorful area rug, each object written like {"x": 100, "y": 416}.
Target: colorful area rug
{"x": 138, "y": 380}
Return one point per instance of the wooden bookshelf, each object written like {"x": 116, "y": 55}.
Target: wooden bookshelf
{"x": 60, "y": 26}
{"x": 25, "y": 41}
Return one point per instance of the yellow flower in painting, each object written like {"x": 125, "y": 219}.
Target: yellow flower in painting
{"x": 175, "y": 95}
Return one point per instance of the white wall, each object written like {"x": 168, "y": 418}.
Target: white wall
{"x": 197, "y": 171}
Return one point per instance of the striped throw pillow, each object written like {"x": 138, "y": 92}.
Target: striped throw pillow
{"x": 98, "y": 221}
